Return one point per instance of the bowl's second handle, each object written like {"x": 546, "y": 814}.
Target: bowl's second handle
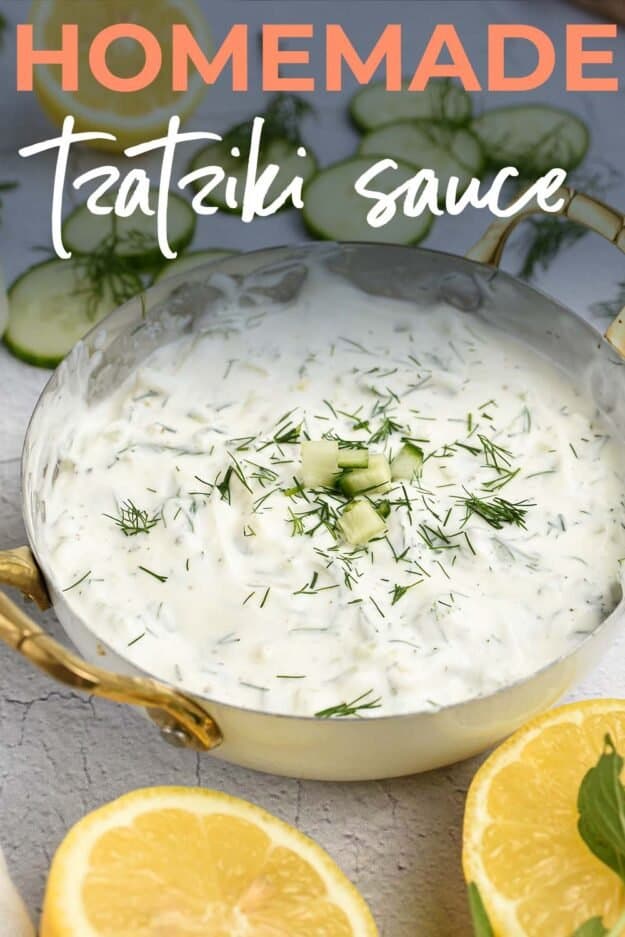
{"x": 578, "y": 207}
{"x": 181, "y": 719}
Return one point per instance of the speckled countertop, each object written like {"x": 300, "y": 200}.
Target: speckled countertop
{"x": 62, "y": 754}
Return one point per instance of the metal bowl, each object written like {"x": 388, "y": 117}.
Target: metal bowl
{"x": 342, "y": 749}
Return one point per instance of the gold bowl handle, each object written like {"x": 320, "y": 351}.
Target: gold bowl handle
{"x": 582, "y": 209}
{"x": 181, "y": 719}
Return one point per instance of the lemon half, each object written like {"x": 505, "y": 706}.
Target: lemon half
{"x": 133, "y": 117}
{"x": 521, "y": 846}
{"x": 186, "y": 862}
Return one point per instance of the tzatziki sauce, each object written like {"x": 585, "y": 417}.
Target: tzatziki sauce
{"x": 180, "y": 530}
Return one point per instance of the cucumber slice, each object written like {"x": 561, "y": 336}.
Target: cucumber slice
{"x": 375, "y": 479}
{"x": 83, "y": 232}
{"x": 190, "y": 261}
{"x": 443, "y": 100}
{"x": 360, "y": 523}
{"x": 281, "y": 152}
{"x": 49, "y": 312}
{"x": 407, "y": 463}
{"x": 449, "y": 151}
{"x": 334, "y": 211}
{"x": 319, "y": 463}
{"x": 353, "y": 458}
{"x": 532, "y": 137}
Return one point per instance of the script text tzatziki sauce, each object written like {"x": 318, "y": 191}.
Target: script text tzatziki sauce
{"x": 180, "y": 528}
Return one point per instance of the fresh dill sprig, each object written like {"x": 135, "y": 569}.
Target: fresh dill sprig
{"x": 610, "y": 308}
{"x": 283, "y": 118}
{"x": 350, "y": 709}
{"x": 546, "y": 237}
{"x": 108, "y": 270}
{"x": 132, "y": 520}
{"x": 496, "y": 511}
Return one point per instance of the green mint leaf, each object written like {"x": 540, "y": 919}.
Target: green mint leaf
{"x": 592, "y": 928}
{"x": 481, "y": 925}
{"x": 601, "y": 806}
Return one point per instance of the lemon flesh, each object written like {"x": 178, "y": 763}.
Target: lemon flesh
{"x": 182, "y": 862}
{"x": 521, "y": 845}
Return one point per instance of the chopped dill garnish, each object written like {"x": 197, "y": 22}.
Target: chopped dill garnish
{"x": 495, "y": 456}
{"x": 386, "y": 429}
{"x": 151, "y": 573}
{"x": 134, "y": 640}
{"x": 497, "y": 511}
{"x": 350, "y": 709}
{"x": 503, "y": 478}
{"x": 78, "y": 581}
{"x": 132, "y": 520}
{"x": 398, "y": 592}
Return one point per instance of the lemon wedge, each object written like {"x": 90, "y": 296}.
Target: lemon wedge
{"x": 521, "y": 846}
{"x": 132, "y": 117}
{"x": 187, "y": 862}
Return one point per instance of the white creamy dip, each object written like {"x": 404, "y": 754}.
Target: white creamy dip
{"x": 240, "y": 586}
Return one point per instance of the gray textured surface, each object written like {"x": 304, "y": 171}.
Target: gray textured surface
{"x": 62, "y": 754}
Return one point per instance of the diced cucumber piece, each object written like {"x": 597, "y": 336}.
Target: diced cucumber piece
{"x": 319, "y": 463}
{"x": 532, "y": 137}
{"x": 443, "y": 100}
{"x": 84, "y": 233}
{"x": 449, "y": 151}
{"x": 334, "y": 211}
{"x": 407, "y": 463}
{"x": 49, "y": 311}
{"x": 190, "y": 261}
{"x": 281, "y": 152}
{"x": 353, "y": 458}
{"x": 360, "y": 523}
{"x": 375, "y": 479}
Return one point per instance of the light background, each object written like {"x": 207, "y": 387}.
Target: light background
{"x": 62, "y": 754}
